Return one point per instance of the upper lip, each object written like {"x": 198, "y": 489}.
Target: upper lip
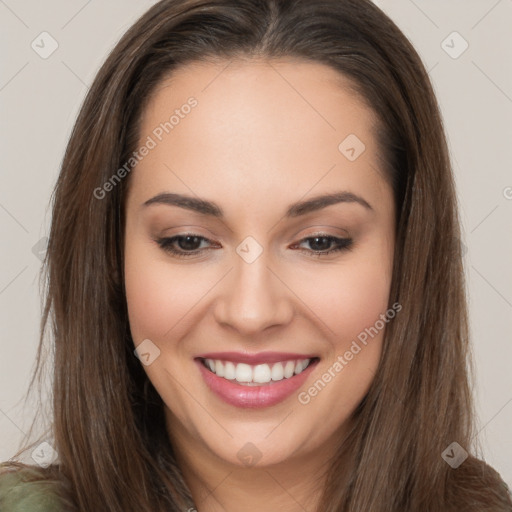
{"x": 256, "y": 358}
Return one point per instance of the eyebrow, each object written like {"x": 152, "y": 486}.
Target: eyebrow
{"x": 294, "y": 210}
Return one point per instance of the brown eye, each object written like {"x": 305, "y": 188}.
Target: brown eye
{"x": 183, "y": 245}
{"x": 323, "y": 244}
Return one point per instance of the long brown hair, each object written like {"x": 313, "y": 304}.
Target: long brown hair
{"x": 108, "y": 423}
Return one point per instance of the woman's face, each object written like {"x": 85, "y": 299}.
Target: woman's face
{"x": 239, "y": 165}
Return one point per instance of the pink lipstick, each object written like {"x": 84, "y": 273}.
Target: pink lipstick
{"x": 255, "y": 380}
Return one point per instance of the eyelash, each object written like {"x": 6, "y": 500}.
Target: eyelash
{"x": 342, "y": 244}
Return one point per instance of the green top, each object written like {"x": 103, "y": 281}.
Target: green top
{"x": 17, "y": 495}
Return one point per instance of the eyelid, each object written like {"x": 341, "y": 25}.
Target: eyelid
{"x": 341, "y": 244}
{"x": 321, "y": 231}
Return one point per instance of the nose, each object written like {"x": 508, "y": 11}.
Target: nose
{"x": 253, "y": 298}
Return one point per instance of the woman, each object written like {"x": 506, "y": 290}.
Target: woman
{"x": 254, "y": 277}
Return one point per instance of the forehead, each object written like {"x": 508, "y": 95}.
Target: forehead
{"x": 257, "y": 128}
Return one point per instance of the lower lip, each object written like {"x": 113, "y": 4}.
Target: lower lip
{"x": 254, "y": 396}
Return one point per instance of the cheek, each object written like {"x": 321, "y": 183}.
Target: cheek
{"x": 351, "y": 309}
{"x": 158, "y": 295}
{"x": 347, "y": 298}
{"x": 362, "y": 297}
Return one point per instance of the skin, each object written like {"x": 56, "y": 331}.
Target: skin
{"x": 264, "y": 135}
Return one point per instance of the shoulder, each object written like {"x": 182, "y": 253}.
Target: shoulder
{"x": 20, "y": 491}
{"x": 478, "y": 486}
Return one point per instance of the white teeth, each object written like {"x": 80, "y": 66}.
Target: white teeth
{"x": 262, "y": 373}
{"x": 229, "y": 371}
{"x": 277, "y": 372}
{"x": 219, "y": 368}
{"x": 243, "y": 373}
{"x": 299, "y": 367}
{"x": 259, "y": 374}
{"x": 289, "y": 369}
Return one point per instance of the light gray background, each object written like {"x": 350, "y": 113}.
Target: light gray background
{"x": 40, "y": 98}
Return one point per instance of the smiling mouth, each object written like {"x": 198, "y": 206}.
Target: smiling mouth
{"x": 259, "y": 374}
